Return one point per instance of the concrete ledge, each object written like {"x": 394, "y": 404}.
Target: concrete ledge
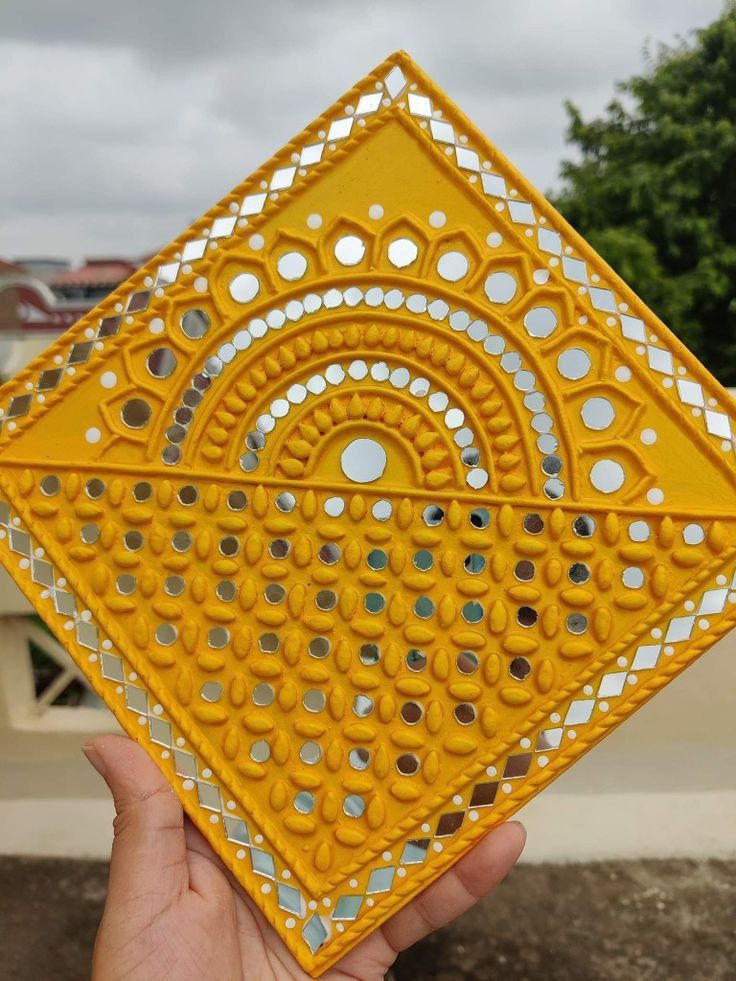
{"x": 562, "y": 827}
{"x": 596, "y": 827}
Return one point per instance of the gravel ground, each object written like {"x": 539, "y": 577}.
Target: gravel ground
{"x": 613, "y": 921}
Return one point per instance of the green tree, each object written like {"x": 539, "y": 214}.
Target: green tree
{"x": 654, "y": 188}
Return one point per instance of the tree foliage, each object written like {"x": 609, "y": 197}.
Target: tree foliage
{"x": 653, "y": 188}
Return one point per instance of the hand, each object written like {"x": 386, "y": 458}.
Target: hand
{"x": 174, "y": 912}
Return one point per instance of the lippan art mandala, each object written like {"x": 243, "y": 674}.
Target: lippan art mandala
{"x": 369, "y": 505}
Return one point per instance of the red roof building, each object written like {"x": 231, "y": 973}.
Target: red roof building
{"x": 94, "y": 280}
{"x": 34, "y": 311}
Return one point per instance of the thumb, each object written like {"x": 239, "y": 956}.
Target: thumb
{"x": 148, "y": 867}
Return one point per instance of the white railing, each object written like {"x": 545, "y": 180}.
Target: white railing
{"x": 23, "y": 708}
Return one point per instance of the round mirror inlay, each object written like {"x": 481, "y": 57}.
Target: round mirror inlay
{"x": 363, "y": 461}
{"x": 402, "y": 252}
{"x": 349, "y": 250}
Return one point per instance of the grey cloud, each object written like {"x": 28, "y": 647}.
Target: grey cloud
{"x": 123, "y": 126}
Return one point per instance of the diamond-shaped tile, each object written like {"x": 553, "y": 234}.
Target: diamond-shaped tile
{"x": 366, "y": 503}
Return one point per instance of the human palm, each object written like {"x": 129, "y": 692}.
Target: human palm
{"x": 173, "y": 911}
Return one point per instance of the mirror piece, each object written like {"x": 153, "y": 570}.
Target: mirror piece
{"x": 632, "y": 577}
{"x": 310, "y": 753}
{"x": 126, "y": 584}
{"x": 236, "y": 500}
{"x": 211, "y": 691}
{"x": 359, "y": 759}
{"x": 402, "y": 252}
{"x": 95, "y": 488}
{"x": 329, "y": 553}
{"x": 382, "y": 510}
{"x": 188, "y": 495}
{"x": 424, "y": 607}
{"x": 577, "y": 623}
{"x": 433, "y": 515}
{"x": 263, "y": 694}
{"x": 304, "y": 802}
{"x": 133, "y": 540}
{"x": 218, "y": 637}
{"x": 136, "y": 413}
{"x": 174, "y": 585}
{"x": 369, "y": 654}
{"x": 438, "y": 401}
{"x": 607, "y": 476}
{"x": 470, "y": 456}
{"x": 292, "y": 266}
{"x": 540, "y": 322}
{"x": 578, "y": 573}
{"x": 584, "y": 526}
{"x": 639, "y": 531}
{"x": 520, "y": 668}
{"x": 279, "y": 548}
{"x": 472, "y": 612}
{"x": 465, "y": 713}
{"x": 574, "y": 363}
{"x": 407, "y": 764}
{"x": 362, "y": 706}
{"x": 319, "y": 647}
{"x": 166, "y": 634}
{"x": 353, "y": 805}
{"x": 416, "y": 660}
{"x": 411, "y": 713}
{"x": 500, "y": 287}
{"x": 326, "y": 600}
{"x": 229, "y": 545}
{"x": 286, "y": 502}
{"x": 244, "y": 287}
{"x": 363, "y": 460}
{"x": 467, "y": 662}
{"x": 452, "y": 266}
{"x": 334, "y": 506}
{"x": 50, "y": 485}
{"x": 89, "y": 534}
{"x": 423, "y": 560}
{"x": 260, "y": 751}
{"x": 526, "y": 616}
{"x": 533, "y": 524}
{"x": 162, "y": 362}
{"x": 249, "y": 461}
{"x": 226, "y": 590}
{"x": 374, "y": 602}
{"x": 377, "y": 559}
{"x": 597, "y": 413}
{"x": 274, "y": 593}
{"x": 551, "y": 465}
{"x": 181, "y": 541}
{"x": 314, "y": 700}
{"x": 693, "y": 534}
{"x": 349, "y": 250}
{"x": 255, "y": 440}
{"x": 195, "y": 324}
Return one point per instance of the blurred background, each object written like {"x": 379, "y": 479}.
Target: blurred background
{"x": 123, "y": 123}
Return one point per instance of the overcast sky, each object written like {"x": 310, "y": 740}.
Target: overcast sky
{"x": 122, "y": 122}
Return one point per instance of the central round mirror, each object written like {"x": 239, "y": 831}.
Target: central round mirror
{"x": 363, "y": 460}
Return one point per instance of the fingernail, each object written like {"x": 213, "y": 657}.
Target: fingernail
{"x": 94, "y": 757}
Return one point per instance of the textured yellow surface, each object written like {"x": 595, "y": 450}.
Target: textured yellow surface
{"x": 369, "y": 505}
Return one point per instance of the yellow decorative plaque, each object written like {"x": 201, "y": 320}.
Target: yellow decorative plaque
{"x": 369, "y": 505}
